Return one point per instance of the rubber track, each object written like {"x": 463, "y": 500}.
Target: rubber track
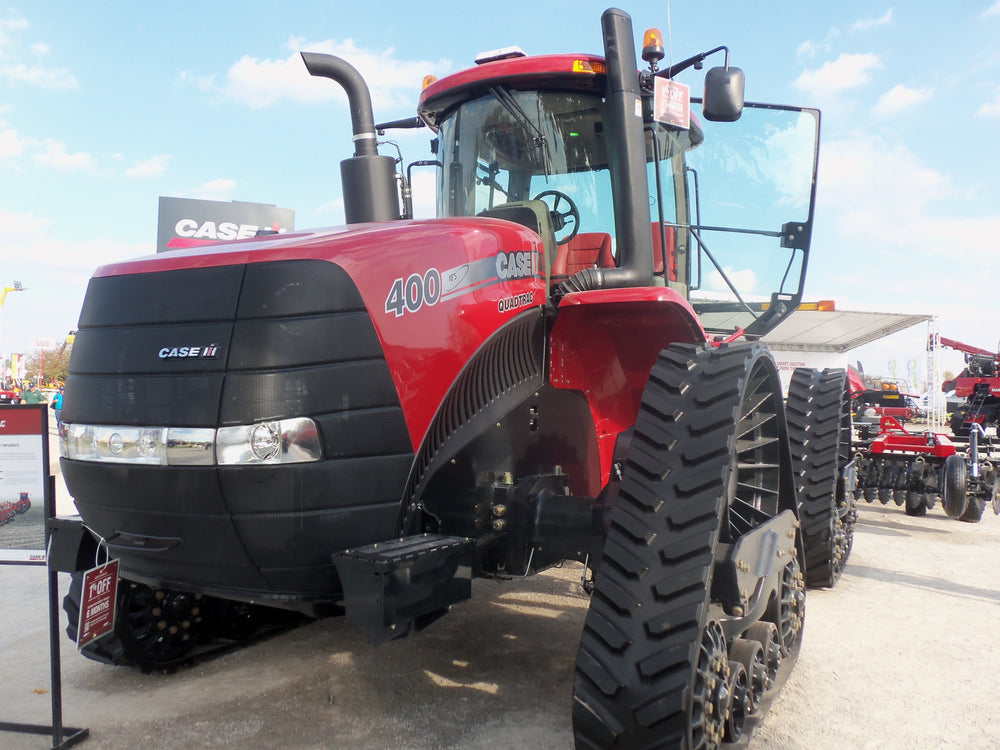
{"x": 111, "y": 650}
{"x": 813, "y": 410}
{"x": 650, "y": 604}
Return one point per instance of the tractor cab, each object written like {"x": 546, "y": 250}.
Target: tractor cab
{"x": 719, "y": 211}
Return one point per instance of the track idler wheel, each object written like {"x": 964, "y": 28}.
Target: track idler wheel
{"x": 750, "y": 655}
{"x": 739, "y": 701}
{"x": 766, "y": 634}
{"x": 956, "y": 485}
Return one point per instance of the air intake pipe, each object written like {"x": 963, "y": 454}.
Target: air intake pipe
{"x": 626, "y": 145}
{"x": 368, "y": 180}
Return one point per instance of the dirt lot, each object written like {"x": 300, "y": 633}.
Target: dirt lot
{"x": 902, "y": 654}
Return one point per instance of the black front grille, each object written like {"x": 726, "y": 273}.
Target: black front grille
{"x": 297, "y": 340}
{"x": 284, "y": 339}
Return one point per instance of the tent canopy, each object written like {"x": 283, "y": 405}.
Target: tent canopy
{"x": 832, "y": 331}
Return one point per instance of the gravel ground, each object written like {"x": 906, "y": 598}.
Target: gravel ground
{"x": 900, "y": 655}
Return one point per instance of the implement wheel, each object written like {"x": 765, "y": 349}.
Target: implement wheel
{"x": 956, "y": 486}
{"x": 819, "y": 433}
{"x": 708, "y": 462}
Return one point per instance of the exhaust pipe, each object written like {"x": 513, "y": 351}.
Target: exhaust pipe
{"x": 627, "y": 156}
{"x": 368, "y": 180}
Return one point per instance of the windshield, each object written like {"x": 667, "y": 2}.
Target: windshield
{"x": 515, "y": 146}
{"x": 752, "y": 188}
{"x": 735, "y": 199}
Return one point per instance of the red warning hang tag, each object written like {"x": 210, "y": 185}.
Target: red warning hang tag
{"x": 672, "y": 103}
{"x": 97, "y": 603}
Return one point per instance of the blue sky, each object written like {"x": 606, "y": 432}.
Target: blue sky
{"x": 105, "y": 106}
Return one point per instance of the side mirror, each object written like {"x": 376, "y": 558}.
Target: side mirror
{"x": 723, "y": 100}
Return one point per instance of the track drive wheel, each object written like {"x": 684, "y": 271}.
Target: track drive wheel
{"x": 956, "y": 485}
{"x": 707, "y": 464}
{"x": 154, "y": 628}
{"x": 819, "y": 433}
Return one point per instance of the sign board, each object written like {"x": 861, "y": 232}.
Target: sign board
{"x": 672, "y": 103}
{"x": 186, "y": 222}
{"x": 97, "y": 603}
{"x": 24, "y": 473}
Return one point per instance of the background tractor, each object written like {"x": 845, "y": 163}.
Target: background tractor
{"x": 978, "y": 384}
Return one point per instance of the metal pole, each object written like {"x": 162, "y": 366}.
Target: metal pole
{"x": 54, "y": 658}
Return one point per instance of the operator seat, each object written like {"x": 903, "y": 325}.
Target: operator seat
{"x": 586, "y": 250}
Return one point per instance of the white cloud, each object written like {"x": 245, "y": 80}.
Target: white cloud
{"x": 901, "y": 97}
{"x": 810, "y": 49}
{"x": 29, "y": 237}
{"x": 883, "y": 207}
{"x": 333, "y": 209}
{"x": 847, "y": 71}
{"x": 10, "y": 24}
{"x": 38, "y": 75}
{"x": 992, "y": 109}
{"x": 866, "y": 24}
{"x": 993, "y": 10}
{"x": 424, "y": 194}
{"x": 40, "y": 49}
{"x": 262, "y": 82}
{"x": 883, "y": 196}
{"x": 154, "y": 166}
{"x": 868, "y": 176}
{"x": 213, "y": 190}
{"x": 13, "y": 24}
{"x": 10, "y": 143}
{"x": 806, "y": 50}
{"x": 744, "y": 279}
{"x": 56, "y": 156}
{"x": 55, "y": 274}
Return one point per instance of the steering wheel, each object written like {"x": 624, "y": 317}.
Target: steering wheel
{"x": 560, "y": 219}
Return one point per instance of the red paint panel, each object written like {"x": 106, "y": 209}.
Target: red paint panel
{"x": 427, "y": 340}
{"x": 605, "y": 342}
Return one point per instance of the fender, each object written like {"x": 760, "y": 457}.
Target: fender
{"x": 604, "y": 343}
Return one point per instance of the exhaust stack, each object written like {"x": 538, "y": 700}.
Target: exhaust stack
{"x": 368, "y": 180}
{"x": 627, "y": 156}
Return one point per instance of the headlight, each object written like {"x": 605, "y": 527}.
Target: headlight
{"x": 278, "y": 442}
{"x": 286, "y": 442}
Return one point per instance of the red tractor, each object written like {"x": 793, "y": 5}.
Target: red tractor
{"x": 978, "y": 384}
{"x": 365, "y": 418}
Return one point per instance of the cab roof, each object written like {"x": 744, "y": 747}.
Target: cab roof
{"x": 556, "y": 72}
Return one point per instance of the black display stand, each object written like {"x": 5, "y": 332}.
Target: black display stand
{"x": 62, "y": 737}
